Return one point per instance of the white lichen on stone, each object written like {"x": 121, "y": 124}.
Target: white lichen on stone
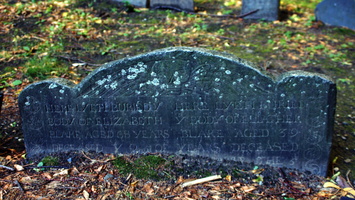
{"x": 239, "y": 80}
{"x": 217, "y": 79}
{"x": 268, "y": 101}
{"x": 101, "y": 82}
{"x": 251, "y": 85}
{"x": 228, "y": 72}
{"x": 155, "y": 81}
{"x": 52, "y": 85}
{"x": 217, "y": 90}
{"x": 123, "y": 72}
{"x": 114, "y": 85}
{"x": 234, "y": 83}
{"x": 294, "y": 85}
{"x": 97, "y": 92}
{"x": 136, "y": 69}
{"x": 282, "y": 95}
{"x": 61, "y": 91}
{"x": 85, "y": 96}
{"x": 153, "y": 74}
{"x": 197, "y": 78}
{"x": 163, "y": 86}
{"x": 177, "y": 81}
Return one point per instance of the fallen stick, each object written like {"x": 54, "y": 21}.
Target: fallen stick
{"x": 202, "y": 180}
{"x": 6, "y": 167}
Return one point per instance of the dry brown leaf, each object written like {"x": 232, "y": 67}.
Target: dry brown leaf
{"x": 18, "y": 167}
{"x": 86, "y": 195}
{"x": 248, "y": 188}
{"x": 61, "y": 172}
{"x": 53, "y": 185}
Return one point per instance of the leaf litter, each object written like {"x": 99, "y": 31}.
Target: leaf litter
{"x": 91, "y": 175}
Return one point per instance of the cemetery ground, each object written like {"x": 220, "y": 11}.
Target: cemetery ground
{"x": 69, "y": 39}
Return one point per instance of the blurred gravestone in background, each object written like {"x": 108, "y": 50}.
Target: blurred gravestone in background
{"x": 138, "y": 3}
{"x": 268, "y": 9}
{"x": 187, "y": 5}
{"x": 337, "y": 13}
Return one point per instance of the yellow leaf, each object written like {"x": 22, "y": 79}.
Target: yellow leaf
{"x": 229, "y": 178}
{"x": 65, "y": 14}
{"x": 330, "y": 184}
{"x": 349, "y": 190}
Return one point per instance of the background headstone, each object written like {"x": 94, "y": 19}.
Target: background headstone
{"x": 337, "y": 13}
{"x": 268, "y": 9}
{"x": 138, "y": 3}
{"x": 185, "y": 101}
{"x": 187, "y": 5}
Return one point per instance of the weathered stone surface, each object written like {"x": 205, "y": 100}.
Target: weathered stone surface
{"x": 337, "y": 13}
{"x": 268, "y": 9}
{"x": 187, "y": 5}
{"x": 188, "y": 101}
{"x": 138, "y": 3}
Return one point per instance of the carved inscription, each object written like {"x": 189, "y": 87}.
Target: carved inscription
{"x": 188, "y": 101}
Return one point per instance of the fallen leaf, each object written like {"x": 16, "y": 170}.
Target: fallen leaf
{"x": 248, "y": 188}
{"x": 86, "y": 195}
{"x": 62, "y": 172}
{"x": 349, "y": 190}
{"x": 332, "y": 185}
{"x": 18, "y": 167}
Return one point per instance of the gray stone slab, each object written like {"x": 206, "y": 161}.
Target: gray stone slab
{"x": 185, "y": 101}
{"x": 138, "y": 3}
{"x": 337, "y": 13}
{"x": 187, "y": 5}
{"x": 268, "y": 9}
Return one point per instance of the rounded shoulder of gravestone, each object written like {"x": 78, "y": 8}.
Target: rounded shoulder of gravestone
{"x": 177, "y": 70}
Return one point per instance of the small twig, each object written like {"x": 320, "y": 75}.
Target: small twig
{"x": 347, "y": 178}
{"x": 202, "y": 180}
{"x": 19, "y": 186}
{"x": 289, "y": 184}
{"x": 77, "y": 59}
{"x": 6, "y": 167}
{"x": 32, "y": 167}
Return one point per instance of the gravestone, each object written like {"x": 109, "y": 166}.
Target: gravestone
{"x": 337, "y": 13}
{"x": 138, "y": 3}
{"x": 267, "y": 9}
{"x": 186, "y": 5}
{"x": 185, "y": 101}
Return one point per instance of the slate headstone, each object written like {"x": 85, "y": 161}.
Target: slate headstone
{"x": 186, "y": 5}
{"x": 336, "y": 13}
{"x": 185, "y": 101}
{"x": 267, "y": 9}
{"x": 138, "y": 3}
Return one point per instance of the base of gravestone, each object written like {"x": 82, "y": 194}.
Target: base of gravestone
{"x": 267, "y": 10}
